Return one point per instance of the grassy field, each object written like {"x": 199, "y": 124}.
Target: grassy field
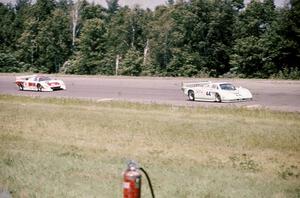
{"x": 75, "y": 148}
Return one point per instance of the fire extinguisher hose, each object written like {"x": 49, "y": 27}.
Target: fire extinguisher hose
{"x": 149, "y": 181}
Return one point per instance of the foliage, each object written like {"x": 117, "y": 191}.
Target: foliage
{"x": 54, "y": 40}
{"x": 180, "y": 38}
{"x": 131, "y": 65}
{"x": 8, "y": 63}
{"x": 113, "y": 5}
{"x": 288, "y": 73}
{"x": 7, "y": 33}
{"x": 90, "y": 59}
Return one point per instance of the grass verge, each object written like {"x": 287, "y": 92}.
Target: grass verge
{"x": 75, "y": 148}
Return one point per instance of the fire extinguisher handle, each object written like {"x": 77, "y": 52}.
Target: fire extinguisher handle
{"x": 149, "y": 181}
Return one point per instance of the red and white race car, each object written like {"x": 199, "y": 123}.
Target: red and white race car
{"x": 39, "y": 83}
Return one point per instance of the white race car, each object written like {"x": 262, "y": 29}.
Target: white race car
{"x": 217, "y": 92}
{"x": 39, "y": 83}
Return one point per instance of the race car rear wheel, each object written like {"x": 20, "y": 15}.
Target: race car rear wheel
{"x": 21, "y": 88}
{"x": 39, "y": 87}
{"x": 191, "y": 95}
{"x": 218, "y": 98}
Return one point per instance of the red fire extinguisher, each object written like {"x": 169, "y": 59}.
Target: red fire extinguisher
{"x": 132, "y": 181}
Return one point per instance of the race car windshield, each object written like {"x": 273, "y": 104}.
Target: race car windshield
{"x": 44, "y": 78}
{"x": 229, "y": 87}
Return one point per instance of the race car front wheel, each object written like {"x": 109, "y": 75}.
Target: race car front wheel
{"x": 191, "y": 95}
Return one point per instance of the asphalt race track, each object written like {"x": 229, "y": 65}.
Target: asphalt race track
{"x": 280, "y": 95}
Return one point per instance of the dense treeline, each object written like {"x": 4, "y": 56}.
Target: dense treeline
{"x": 182, "y": 38}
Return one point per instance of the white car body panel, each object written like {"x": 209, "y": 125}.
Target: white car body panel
{"x": 208, "y": 91}
{"x": 39, "y": 83}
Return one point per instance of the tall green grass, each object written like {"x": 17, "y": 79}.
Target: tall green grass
{"x": 78, "y": 148}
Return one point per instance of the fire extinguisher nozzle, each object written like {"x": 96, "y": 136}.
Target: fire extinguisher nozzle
{"x": 131, "y": 164}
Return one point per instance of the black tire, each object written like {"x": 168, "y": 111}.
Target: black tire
{"x": 191, "y": 95}
{"x": 39, "y": 87}
{"x": 21, "y": 88}
{"x": 218, "y": 98}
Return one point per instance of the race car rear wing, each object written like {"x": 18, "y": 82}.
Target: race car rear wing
{"x": 190, "y": 85}
{"x": 194, "y": 84}
{"x": 22, "y": 78}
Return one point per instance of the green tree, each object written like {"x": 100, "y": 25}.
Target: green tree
{"x": 255, "y": 19}
{"x": 112, "y": 6}
{"x": 54, "y": 40}
{"x": 8, "y": 63}
{"x": 23, "y": 11}
{"x": 42, "y": 9}
{"x": 90, "y": 58}
{"x": 289, "y": 28}
{"x": 64, "y": 5}
{"x": 27, "y": 44}
{"x": 219, "y": 38}
{"x": 117, "y": 41}
{"x": 7, "y": 30}
{"x": 91, "y": 11}
{"x": 247, "y": 57}
{"x": 160, "y": 41}
{"x": 45, "y": 45}
{"x": 259, "y": 48}
{"x": 132, "y": 63}
{"x": 127, "y": 30}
